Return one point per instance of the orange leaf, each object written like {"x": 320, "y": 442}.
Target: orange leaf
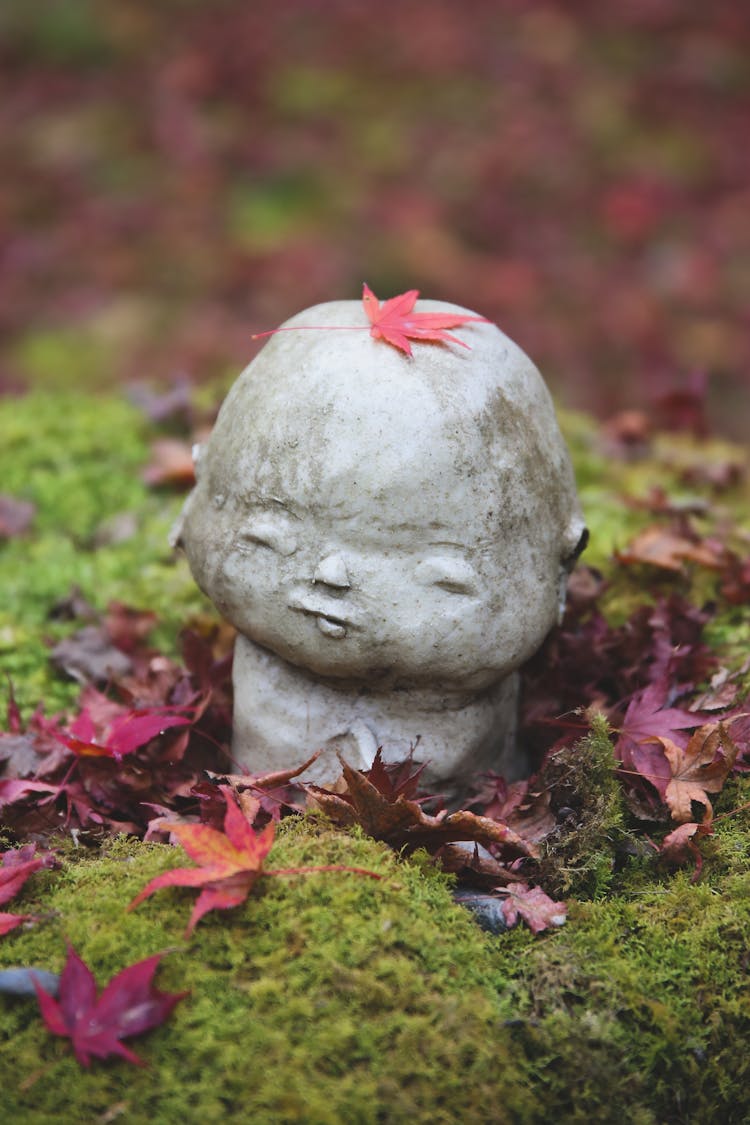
{"x": 668, "y": 550}
{"x": 701, "y": 768}
{"x": 230, "y": 862}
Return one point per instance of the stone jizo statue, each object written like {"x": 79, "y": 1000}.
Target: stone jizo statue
{"x": 391, "y": 537}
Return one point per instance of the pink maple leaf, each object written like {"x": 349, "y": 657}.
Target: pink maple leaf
{"x": 123, "y": 733}
{"x": 17, "y": 865}
{"x": 128, "y": 1006}
{"x": 395, "y": 321}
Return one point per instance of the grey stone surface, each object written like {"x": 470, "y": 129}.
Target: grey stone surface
{"x": 391, "y": 536}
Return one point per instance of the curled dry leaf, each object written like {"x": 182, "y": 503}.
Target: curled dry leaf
{"x": 401, "y": 821}
{"x": 701, "y": 768}
{"x": 679, "y": 846}
{"x": 537, "y": 909}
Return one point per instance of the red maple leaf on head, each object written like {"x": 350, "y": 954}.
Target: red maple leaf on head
{"x": 395, "y": 321}
{"x": 128, "y": 1006}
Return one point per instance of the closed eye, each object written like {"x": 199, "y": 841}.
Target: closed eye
{"x": 451, "y": 586}
{"x": 264, "y": 533}
{"x": 455, "y": 576}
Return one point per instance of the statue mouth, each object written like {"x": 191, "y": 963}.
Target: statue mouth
{"x": 330, "y": 627}
{"x": 329, "y": 624}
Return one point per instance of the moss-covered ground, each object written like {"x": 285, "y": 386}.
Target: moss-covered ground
{"x": 336, "y": 998}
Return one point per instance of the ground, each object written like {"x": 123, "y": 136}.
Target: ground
{"x": 334, "y": 997}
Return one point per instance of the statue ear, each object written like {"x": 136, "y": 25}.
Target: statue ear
{"x": 575, "y": 538}
{"x": 175, "y": 532}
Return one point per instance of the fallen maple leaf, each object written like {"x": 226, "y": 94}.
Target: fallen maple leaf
{"x": 537, "y": 909}
{"x": 128, "y": 1006}
{"x": 9, "y": 922}
{"x": 230, "y": 863}
{"x": 398, "y": 820}
{"x": 646, "y": 722}
{"x": 701, "y": 768}
{"x": 89, "y": 656}
{"x": 126, "y": 732}
{"x": 679, "y": 845}
{"x": 668, "y": 550}
{"x": 395, "y": 321}
{"x": 17, "y": 865}
{"x": 171, "y": 464}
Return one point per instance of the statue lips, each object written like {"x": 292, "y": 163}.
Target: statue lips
{"x": 330, "y": 623}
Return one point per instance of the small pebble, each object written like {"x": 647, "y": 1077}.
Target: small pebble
{"x": 18, "y": 982}
{"x": 486, "y": 909}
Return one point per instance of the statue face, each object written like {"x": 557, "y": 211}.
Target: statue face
{"x": 372, "y": 527}
{"x": 359, "y": 592}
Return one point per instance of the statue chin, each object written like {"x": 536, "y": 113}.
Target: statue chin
{"x": 282, "y": 714}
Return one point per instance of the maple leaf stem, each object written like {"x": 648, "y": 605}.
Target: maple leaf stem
{"x": 313, "y": 328}
{"x": 732, "y": 812}
{"x": 328, "y": 867}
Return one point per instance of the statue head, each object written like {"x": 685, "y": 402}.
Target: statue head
{"x": 382, "y": 520}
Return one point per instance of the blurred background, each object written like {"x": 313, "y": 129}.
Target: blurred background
{"x": 178, "y": 174}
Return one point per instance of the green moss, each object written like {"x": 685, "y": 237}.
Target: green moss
{"x": 636, "y": 1010}
{"x": 297, "y": 1012}
{"x": 579, "y": 856}
{"x": 335, "y": 998}
{"x": 79, "y": 460}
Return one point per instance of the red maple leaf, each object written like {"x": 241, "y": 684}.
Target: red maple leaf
{"x": 536, "y": 908}
{"x": 128, "y": 1006}
{"x": 646, "y": 721}
{"x": 17, "y": 865}
{"x": 123, "y": 734}
{"x": 396, "y": 323}
{"x": 230, "y": 863}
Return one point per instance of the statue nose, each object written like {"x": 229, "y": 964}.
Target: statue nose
{"x": 331, "y": 571}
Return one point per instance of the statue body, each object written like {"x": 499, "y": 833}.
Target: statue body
{"x": 391, "y": 537}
